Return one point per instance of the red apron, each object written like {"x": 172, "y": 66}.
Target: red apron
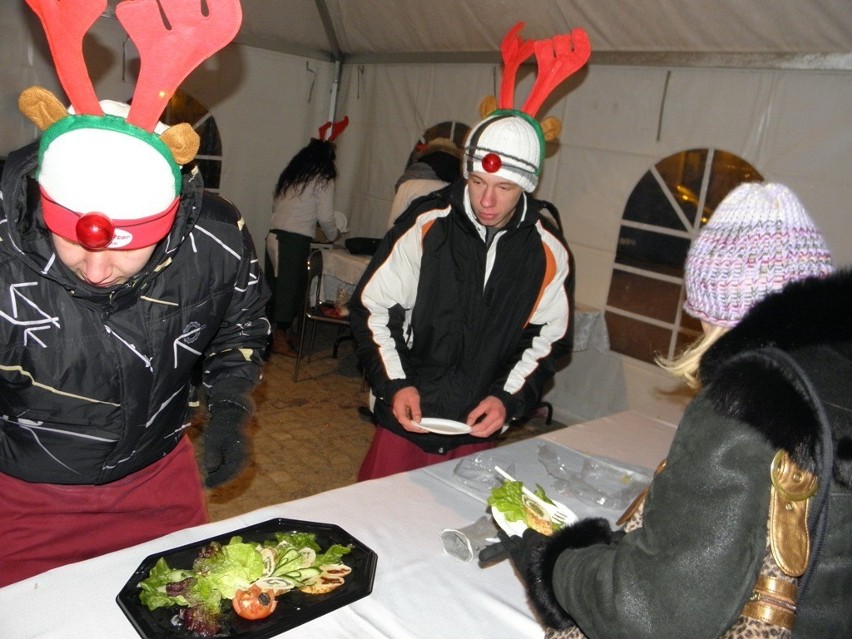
{"x": 48, "y": 525}
{"x": 389, "y": 453}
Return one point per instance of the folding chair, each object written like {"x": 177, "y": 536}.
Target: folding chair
{"x": 313, "y": 313}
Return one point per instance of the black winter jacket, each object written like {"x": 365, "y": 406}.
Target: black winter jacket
{"x": 459, "y": 319}
{"x": 95, "y": 383}
{"x": 688, "y": 571}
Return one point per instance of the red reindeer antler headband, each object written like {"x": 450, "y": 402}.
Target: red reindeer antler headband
{"x": 509, "y": 142}
{"x": 173, "y": 37}
{"x": 557, "y": 58}
{"x": 336, "y": 129}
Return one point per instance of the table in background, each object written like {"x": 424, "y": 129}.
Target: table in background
{"x": 419, "y": 591}
{"x": 341, "y": 270}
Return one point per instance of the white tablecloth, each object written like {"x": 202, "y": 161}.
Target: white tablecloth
{"x": 341, "y": 272}
{"x": 640, "y": 437}
{"x": 419, "y": 590}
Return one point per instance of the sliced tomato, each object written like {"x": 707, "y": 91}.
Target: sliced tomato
{"x": 254, "y": 603}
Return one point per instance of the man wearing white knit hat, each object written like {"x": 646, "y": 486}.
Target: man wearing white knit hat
{"x": 466, "y": 307}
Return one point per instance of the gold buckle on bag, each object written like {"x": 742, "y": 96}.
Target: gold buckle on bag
{"x": 789, "y": 500}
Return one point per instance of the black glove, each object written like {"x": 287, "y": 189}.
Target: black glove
{"x": 517, "y": 548}
{"x": 520, "y": 549}
{"x": 225, "y": 439}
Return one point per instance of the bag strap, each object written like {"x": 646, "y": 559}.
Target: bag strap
{"x": 818, "y": 517}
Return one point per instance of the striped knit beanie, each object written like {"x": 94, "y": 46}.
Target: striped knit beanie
{"x": 759, "y": 239}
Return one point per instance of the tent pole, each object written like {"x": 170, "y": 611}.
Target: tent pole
{"x": 335, "y": 85}
{"x": 328, "y": 25}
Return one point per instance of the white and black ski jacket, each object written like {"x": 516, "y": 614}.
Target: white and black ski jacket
{"x": 459, "y": 318}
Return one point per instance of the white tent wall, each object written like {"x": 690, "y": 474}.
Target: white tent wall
{"x": 390, "y": 107}
{"x": 278, "y": 103}
{"x": 794, "y": 126}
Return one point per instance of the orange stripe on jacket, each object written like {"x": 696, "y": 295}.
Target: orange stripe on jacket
{"x": 549, "y": 275}
{"x": 425, "y": 230}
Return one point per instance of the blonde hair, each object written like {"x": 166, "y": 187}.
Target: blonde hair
{"x": 687, "y": 363}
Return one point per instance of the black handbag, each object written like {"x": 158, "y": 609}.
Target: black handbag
{"x": 362, "y": 245}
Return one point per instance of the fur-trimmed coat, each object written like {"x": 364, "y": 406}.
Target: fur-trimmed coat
{"x": 689, "y": 570}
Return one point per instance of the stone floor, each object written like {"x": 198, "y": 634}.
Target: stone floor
{"x": 308, "y": 436}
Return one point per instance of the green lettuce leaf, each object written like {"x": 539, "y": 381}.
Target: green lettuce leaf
{"x": 507, "y": 499}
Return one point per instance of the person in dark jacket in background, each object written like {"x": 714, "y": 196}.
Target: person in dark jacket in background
{"x": 125, "y": 281}
{"x": 760, "y": 279}
{"x": 433, "y": 167}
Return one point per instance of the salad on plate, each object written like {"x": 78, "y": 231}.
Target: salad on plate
{"x": 514, "y": 511}
{"x": 247, "y": 577}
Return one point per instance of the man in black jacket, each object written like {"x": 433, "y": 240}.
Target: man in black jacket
{"x": 125, "y": 281}
{"x": 465, "y": 308}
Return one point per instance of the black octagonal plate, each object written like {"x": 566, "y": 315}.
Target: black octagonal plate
{"x": 294, "y": 608}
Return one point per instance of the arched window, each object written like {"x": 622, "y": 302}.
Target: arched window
{"x": 666, "y": 209}
{"x": 184, "y": 108}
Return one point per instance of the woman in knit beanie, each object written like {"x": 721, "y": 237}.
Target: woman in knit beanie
{"x": 745, "y": 530}
{"x": 759, "y": 239}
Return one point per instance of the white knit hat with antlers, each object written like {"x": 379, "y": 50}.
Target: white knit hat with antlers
{"x": 509, "y": 143}
{"x": 109, "y": 172}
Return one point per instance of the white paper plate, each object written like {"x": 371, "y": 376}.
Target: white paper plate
{"x": 444, "y": 426}
{"x": 518, "y": 527}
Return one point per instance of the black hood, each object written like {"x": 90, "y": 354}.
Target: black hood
{"x": 811, "y": 320}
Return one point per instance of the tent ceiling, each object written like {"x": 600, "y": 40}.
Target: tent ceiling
{"x": 781, "y": 33}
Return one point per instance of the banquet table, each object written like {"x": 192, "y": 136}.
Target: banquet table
{"x": 419, "y": 589}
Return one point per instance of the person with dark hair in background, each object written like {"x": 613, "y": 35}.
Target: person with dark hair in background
{"x": 304, "y": 197}
{"x": 762, "y": 458}
{"x": 434, "y": 166}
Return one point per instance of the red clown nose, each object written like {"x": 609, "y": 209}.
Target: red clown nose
{"x": 492, "y": 163}
{"x": 94, "y": 231}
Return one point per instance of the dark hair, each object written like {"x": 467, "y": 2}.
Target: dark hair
{"x": 316, "y": 160}
{"x": 447, "y": 167}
